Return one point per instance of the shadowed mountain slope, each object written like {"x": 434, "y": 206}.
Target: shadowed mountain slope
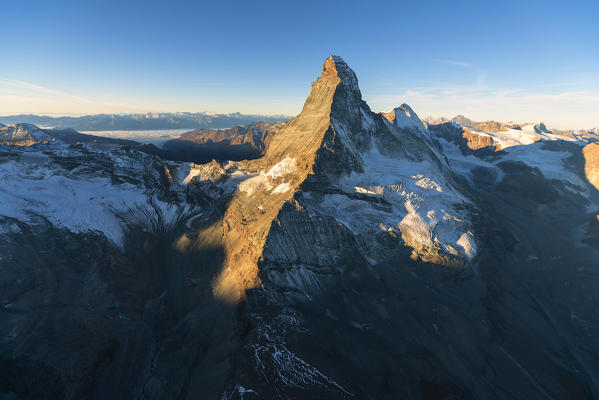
{"x": 238, "y": 143}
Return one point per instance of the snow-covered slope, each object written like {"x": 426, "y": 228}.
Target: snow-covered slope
{"x": 86, "y": 187}
{"x": 404, "y": 117}
{"x": 531, "y": 144}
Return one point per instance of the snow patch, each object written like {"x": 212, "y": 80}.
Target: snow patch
{"x": 415, "y": 198}
{"x": 255, "y": 183}
{"x": 262, "y": 181}
{"x": 188, "y": 172}
{"x": 282, "y": 168}
{"x": 33, "y": 186}
{"x": 282, "y": 188}
{"x": 467, "y": 243}
{"x": 406, "y": 118}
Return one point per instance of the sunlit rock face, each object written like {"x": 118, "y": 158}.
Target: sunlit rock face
{"x": 591, "y": 166}
{"x": 360, "y": 255}
{"x": 342, "y": 171}
{"x": 22, "y": 135}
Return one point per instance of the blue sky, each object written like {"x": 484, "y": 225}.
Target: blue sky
{"x": 520, "y": 60}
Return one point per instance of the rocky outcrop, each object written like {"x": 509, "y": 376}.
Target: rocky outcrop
{"x": 491, "y": 126}
{"x": 476, "y": 141}
{"x": 22, "y": 135}
{"x": 468, "y": 140}
{"x": 462, "y": 120}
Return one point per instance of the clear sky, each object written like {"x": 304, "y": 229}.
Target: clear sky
{"x": 504, "y": 60}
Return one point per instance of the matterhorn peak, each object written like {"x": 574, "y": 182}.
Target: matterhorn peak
{"x": 335, "y": 70}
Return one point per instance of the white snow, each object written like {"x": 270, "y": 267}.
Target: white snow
{"x": 406, "y": 118}
{"x": 188, "y": 172}
{"x": 467, "y": 243}
{"x": 417, "y": 193}
{"x": 282, "y": 188}
{"x": 528, "y": 134}
{"x": 263, "y": 180}
{"x": 282, "y": 168}
{"x": 32, "y": 186}
{"x": 427, "y": 183}
{"x": 255, "y": 183}
{"x": 552, "y": 164}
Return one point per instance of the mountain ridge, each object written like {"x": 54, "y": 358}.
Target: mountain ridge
{"x": 148, "y": 121}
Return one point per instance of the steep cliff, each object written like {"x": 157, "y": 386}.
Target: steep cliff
{"x": 342, "y": 169}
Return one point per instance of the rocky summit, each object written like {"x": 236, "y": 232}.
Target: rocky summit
{"x": 345, "y": 254}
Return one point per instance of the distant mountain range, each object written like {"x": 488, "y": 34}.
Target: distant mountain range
{"x": 494, "y": 126}
{"x": 148, "y": 121}
{"x": 238, "y": 143}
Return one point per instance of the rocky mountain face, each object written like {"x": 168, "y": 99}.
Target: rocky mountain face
{"x": 22, "y": 135}
{"x": 360, "y": 255}
{"x": 238, "y": 143}
{"x": 462, "y": 120}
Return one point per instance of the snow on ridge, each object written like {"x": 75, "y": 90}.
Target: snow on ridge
{"x": 263, "y": 180}
{"x": 552, "y": 164}
{"x": 528, "y": 133}
{"x": 406, "y": 118}
{"x": 421, "y": 200}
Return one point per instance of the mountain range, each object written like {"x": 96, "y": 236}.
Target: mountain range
{"x": 140, "y": 122}
{"x": 344, "y": 254}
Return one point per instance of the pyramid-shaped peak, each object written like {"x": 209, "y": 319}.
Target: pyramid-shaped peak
{"x": 335, "y": 67}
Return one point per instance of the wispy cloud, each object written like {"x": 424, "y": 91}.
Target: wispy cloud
{"x": 562, "y": 105}
{"x": 18, "y": 96}
{"x": 40, "y": 89}
{"x": 481, "y": 76}
{"x": 567, "y": 109}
